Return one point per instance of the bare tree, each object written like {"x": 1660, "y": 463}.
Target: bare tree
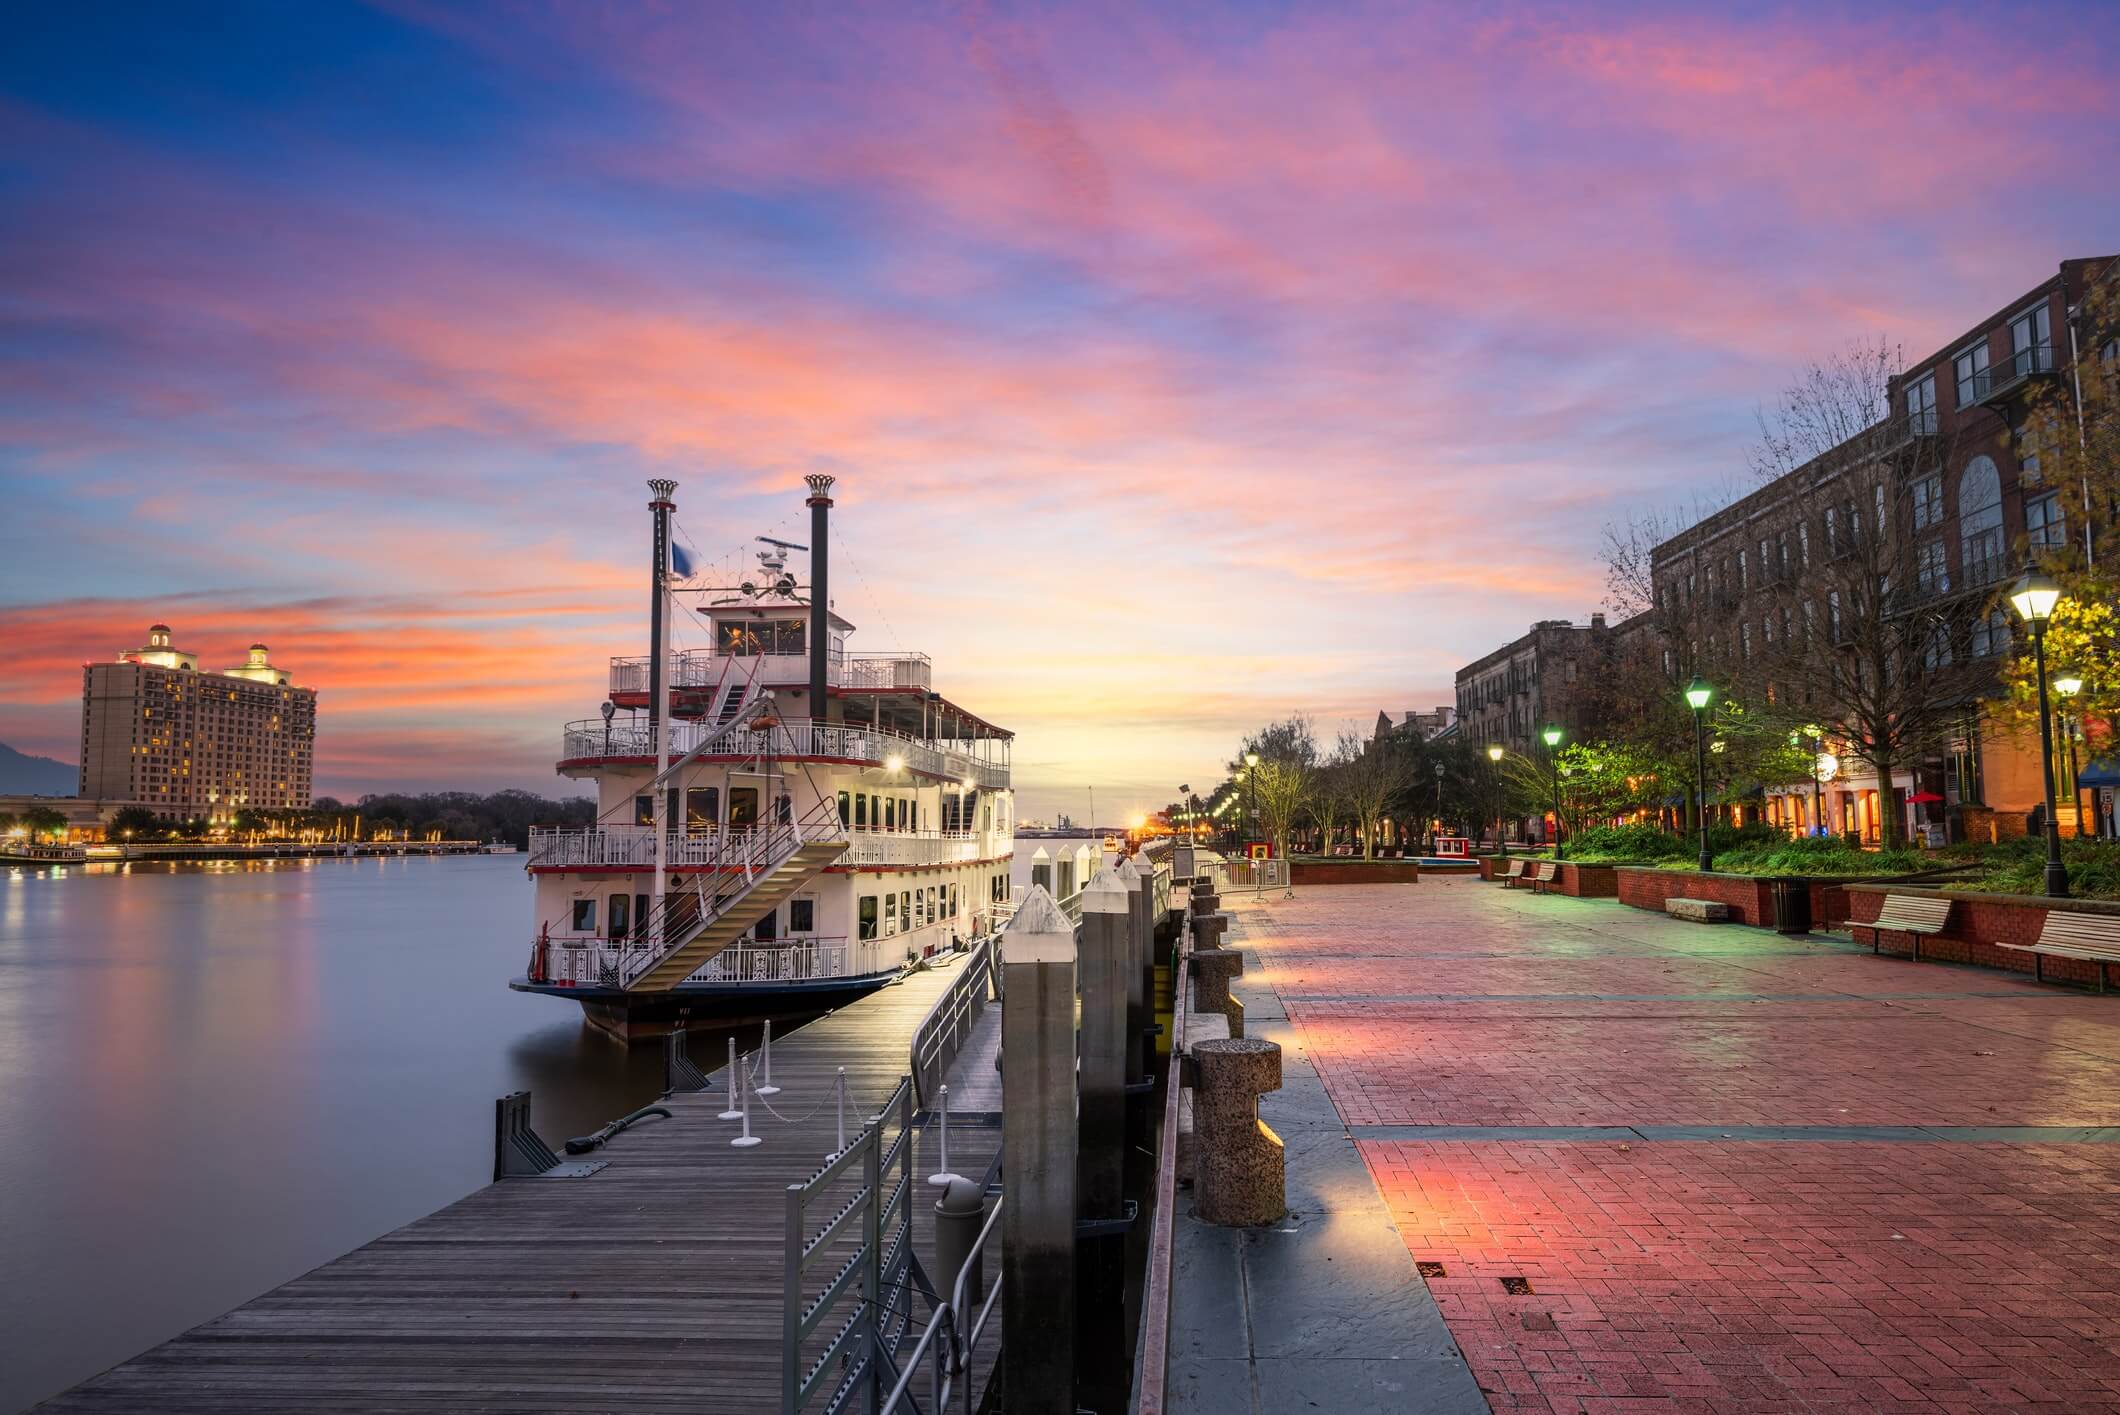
{"x": 1370, "y": 774}
{"x": 1841, "y": 613}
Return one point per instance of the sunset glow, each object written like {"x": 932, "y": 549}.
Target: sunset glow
{"x": 1182, "y": 366}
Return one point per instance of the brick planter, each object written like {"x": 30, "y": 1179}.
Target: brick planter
{"x": 1751, "y": 898}
{"x": 1588, "y": 881}
{"x": 1978, "y": 921}
{"x": 1355, "y": 872}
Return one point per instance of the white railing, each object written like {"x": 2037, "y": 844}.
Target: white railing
{"x": 594, "y": 962}
{"x": 887, "y": 670}
{"x": 590, "y": 739}
{"x": 919, "y": 847}
{"x": 950, "y": 1020}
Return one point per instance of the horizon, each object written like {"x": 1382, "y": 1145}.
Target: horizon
{"x": 1180, "y": 370}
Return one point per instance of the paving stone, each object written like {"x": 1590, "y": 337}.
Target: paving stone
{"x": 1912, "y": 1210}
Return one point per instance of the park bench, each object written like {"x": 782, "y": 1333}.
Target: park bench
{"x": 2066, "y": 934}
{"x": 1515, "y": 871}
{"x": 1915, "y": 915}
{"x": 1545, "y": 872}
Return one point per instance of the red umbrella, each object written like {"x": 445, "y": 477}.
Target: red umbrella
{"x": 1922, "y": 797}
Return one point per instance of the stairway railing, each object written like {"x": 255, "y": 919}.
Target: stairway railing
{"x": 735, "y": 863}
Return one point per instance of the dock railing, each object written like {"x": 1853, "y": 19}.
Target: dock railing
{"x": 865, "y": 1243}
{"x": 950, "y": 1343}
{"x": 937, "y": 1039}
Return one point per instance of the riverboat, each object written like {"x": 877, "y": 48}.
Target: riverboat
{"x": 782, "y": 824}
{"x": 22, "y": 852}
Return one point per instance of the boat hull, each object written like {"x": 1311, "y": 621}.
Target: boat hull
{"x": 644, "y": 1016}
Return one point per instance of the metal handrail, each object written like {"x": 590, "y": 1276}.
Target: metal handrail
{"x": 950, "y": 1018}
{"x": 952, "y": 1356}
{"x": 591, "y": 739}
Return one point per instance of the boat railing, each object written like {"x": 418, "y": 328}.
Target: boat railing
{"x": 949, "y": 1021}
{"x": 592, "y": 739}
{"x": 920, "y": 847}
{"x": 887, "y": 670}
{"x": 606, "y": 962}
{"x": 701, "y": 668}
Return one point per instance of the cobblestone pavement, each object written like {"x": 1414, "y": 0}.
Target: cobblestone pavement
{"x": 1656, "y": 1166}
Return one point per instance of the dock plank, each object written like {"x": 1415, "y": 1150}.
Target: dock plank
{"x": 654, "y": 1284}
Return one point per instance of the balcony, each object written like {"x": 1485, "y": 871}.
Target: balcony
{"x": 701, "y": 670}
{"x": 592, "y": 740}
{"x": 633, "y": 847}
{"x": 920, "y": 847}
{"x": 2004, "y": 379}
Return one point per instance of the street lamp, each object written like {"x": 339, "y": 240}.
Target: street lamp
{"x": 1697, "y": 695}
{"x": 1251, "y": 777}
{"x": 2068, "y": 685}
{"x": 1552, "y": 734}
{"x": 1438, "y": 827}
{"x": 2034, "y": 600}
{"x": 1494, "y": 755}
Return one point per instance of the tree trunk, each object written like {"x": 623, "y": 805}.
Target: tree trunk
{"x": 1888, "y": 834}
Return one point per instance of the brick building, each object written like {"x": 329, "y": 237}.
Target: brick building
{"x": 158, "y": 730}
{"x": 1901, "y": 541}
{"x": 1550, "y": 674}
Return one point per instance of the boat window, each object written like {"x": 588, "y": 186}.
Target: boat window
{"x": 905, "y": 906}
{"x": 953, "y": 901}
{"x": 788, "y": 637}
{"x": 702, "y": 809}
{"x": 861, "y": 811}
{"x": 890, "y": 915}
{"x": 746, "y": 640}
{"x": 644, "y": 810}
{"x": 616, "y": 917}
{"x": 918, "y": 913}
{"x": 640, "y": 911}
{"x": 802, "y": 916}
{"x": 868, "y": 916}
{"x": 743, "y": 807}
{"x": 846, "y": 816}
{"x": 934, "y": 903}
{"x": 763, "y": 929}
{"x": 784, "y": 808}
{"x": 585, "y": 916}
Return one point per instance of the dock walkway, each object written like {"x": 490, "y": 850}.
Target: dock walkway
{"x": 654, "y": 1284}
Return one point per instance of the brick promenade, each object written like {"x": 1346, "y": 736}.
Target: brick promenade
{"x": 1718, "y": 1169}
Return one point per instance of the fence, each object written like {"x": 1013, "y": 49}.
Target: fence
{"x": 950, "y": 1020}
{"x": 950, "y": 1343}
{"x": 866, "y": 1245}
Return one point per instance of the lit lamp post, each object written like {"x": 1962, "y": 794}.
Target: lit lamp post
{"x": 1437, "y": 829}
{"x": 2034, "y": 600}
{"x": 2068, "y": 685}
{"x": 1494, "y": 756}
{"x": 1697, "y": 695}
{"x": 1251, "y": 777}
{"x": 1552, "y": 734}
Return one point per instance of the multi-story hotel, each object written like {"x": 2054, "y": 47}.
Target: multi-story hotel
{"x": 157, "y": 729}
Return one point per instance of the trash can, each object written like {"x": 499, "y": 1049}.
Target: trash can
{"x": 1792, "y": 906}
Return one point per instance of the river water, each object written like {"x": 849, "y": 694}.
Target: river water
{"x": 214, "y": 1077}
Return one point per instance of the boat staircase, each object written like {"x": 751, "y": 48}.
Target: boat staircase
{"x": 747, "y": 873}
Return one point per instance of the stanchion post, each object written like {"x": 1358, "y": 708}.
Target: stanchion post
{"x": 765, "y": 1051}
{"x": 747, "y": 1139}
{"x": 735, "y": 1107}
{"x": 1039, "y": 1149}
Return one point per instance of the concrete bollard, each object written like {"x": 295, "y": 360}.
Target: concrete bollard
{"x": 1042, "y": 869}
{"x": 1105, "y": 967}
{"x": 1240, "y": 1174}
{"x": 1208, "y": 929}
{"x": 1212, "y": 968}
{"x": 1208, "y": 903}
{"x": 1140, "y": 965}
{"x": 1039, "y": 1153}
{"x": 959, "y": 1213}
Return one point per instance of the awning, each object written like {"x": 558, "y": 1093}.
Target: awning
{"x": 2105, "y": 773}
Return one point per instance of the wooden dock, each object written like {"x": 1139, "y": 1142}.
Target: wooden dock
{"x": 654, "y": 1284}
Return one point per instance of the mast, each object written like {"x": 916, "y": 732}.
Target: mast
{"x": 820, "y": 504}
{"x": 658, "y": 687}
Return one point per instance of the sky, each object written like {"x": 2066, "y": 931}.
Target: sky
{"x": 1183, "y": 366}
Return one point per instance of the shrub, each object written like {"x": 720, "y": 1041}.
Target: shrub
{"x": 1625, "y": 844}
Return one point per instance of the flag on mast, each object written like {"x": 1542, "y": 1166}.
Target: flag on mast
{"x": 680, "y": 562}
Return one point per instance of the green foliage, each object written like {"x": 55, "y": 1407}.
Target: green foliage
{"x": 1625, "y": 844}
{"x": 2019, "y": 867}
{"x": 136, "y": 821}
{"x": 43, "y": 822}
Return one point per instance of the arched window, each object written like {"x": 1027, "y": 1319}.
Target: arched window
{"x": 1980, "y": 521}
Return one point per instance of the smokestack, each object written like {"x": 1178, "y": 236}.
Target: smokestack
{"x": 820, "y": 504}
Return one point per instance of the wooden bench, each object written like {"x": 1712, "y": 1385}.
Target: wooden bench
{"x": 1515, "y": 871}
{"x": 1915, "y": 915}
{"x": 1545, "y": 872}
{"x": 2066, "y": 934}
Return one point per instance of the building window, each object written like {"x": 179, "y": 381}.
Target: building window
{"x": 2045, "y": 527}
{"x": 1931, "y": 574}
{"x": 1921, "y": 406}
{"x": 1832, "y": 531}
{"x": 1971, "y": 366}
{"x": 2031, "y": 346}
{"x": 1803, "y": 545}
{"x": 1833, "y": 615}
{"x": 1744, "y": 570}
{"x": 1980, "y": 550}
{"x": 1745, "y": 640}
{"x": 1928, "y": 502}
{"x": 1991, "y": 634}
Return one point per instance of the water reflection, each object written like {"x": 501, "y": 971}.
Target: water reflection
{"x": 220, "y": 1074}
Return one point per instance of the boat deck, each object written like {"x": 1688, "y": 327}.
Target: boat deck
{"x": 654, "y": 1284}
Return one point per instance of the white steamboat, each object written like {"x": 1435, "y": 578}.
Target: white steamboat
{"x": 782, "y": 824}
